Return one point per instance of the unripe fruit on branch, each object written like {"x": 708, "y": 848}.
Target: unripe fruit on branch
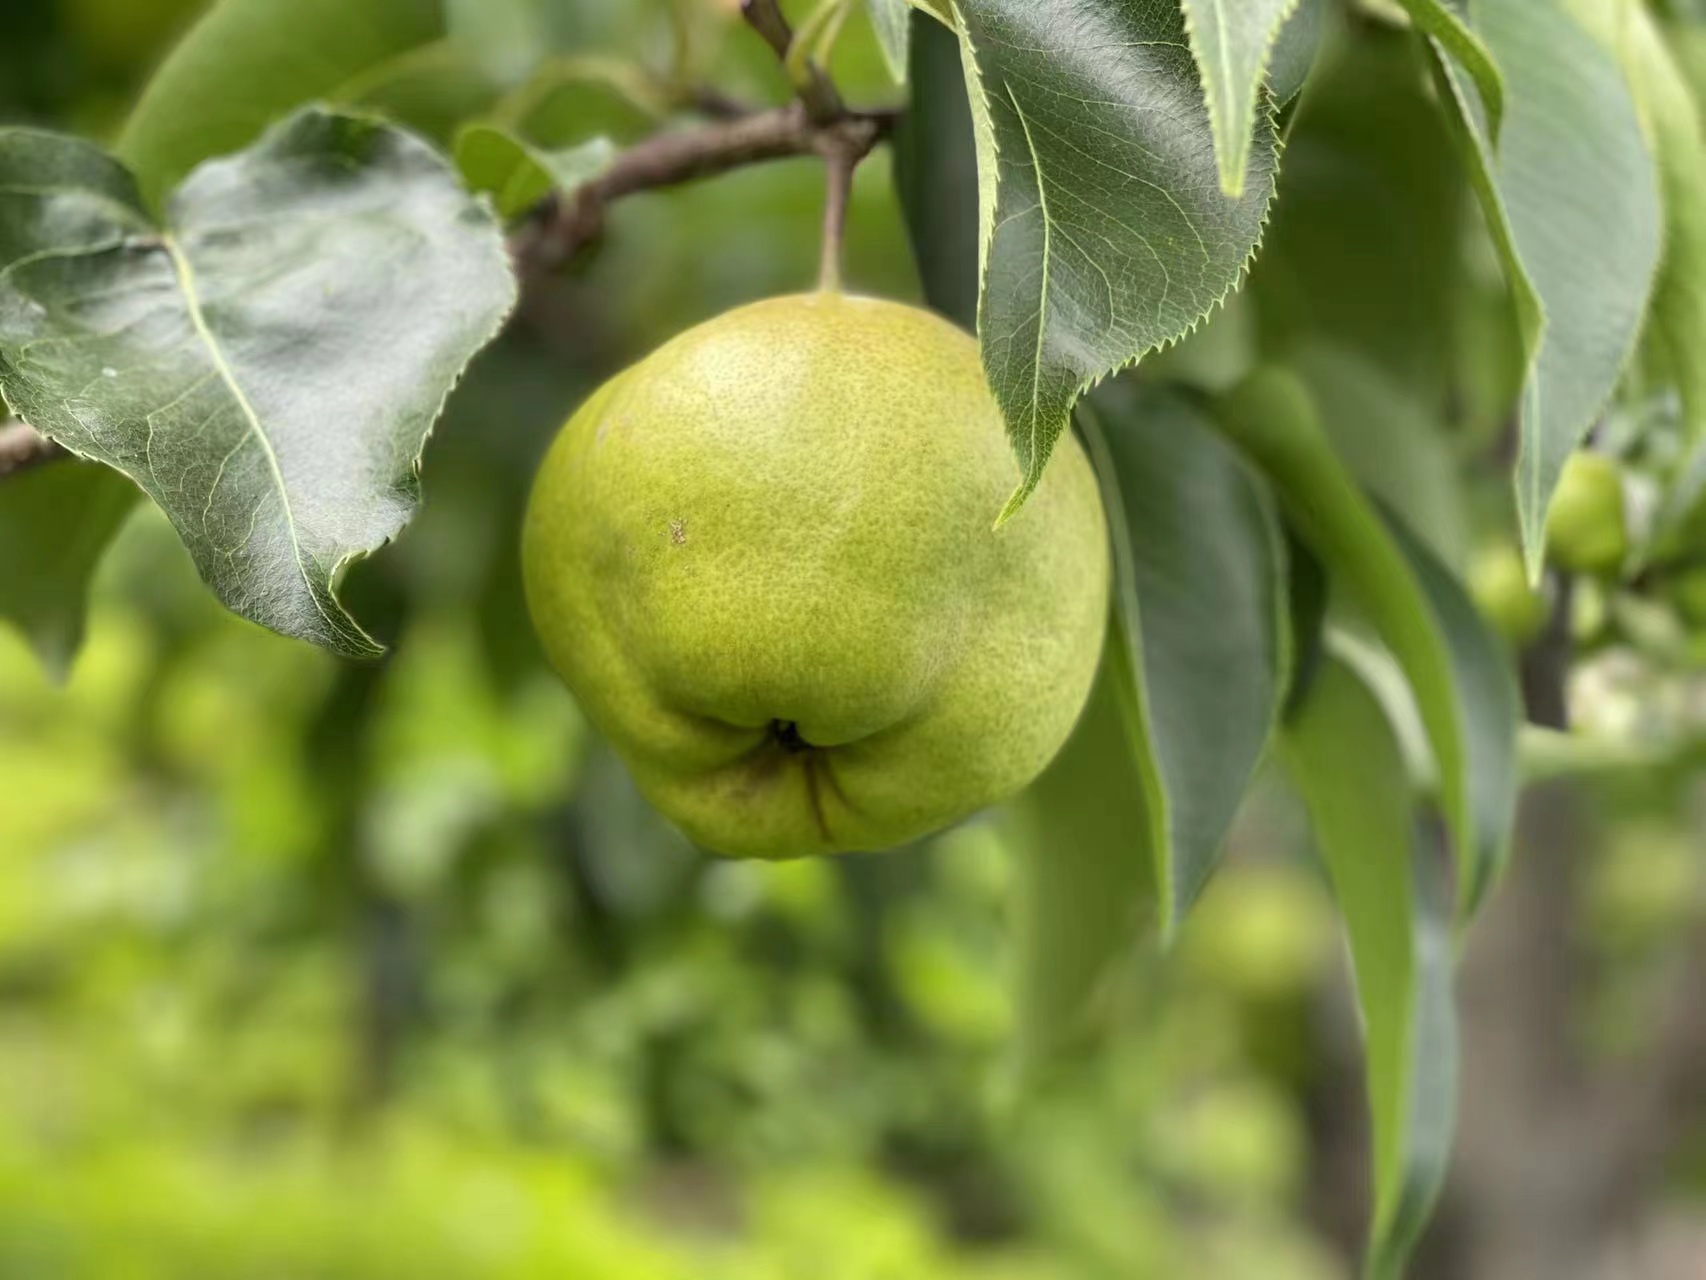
{"x": 762, "y": 558}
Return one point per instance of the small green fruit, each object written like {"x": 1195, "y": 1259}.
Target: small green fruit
{"x": 1499, "y": 584}
{"x": 1587, "y": 530}
{"x": 762, "y": 558}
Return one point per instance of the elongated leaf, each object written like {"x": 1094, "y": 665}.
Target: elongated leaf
{"x": 1200, "y": 567}
{"x": 1443, "y": 20}
{"x": 1085, "y": 900}
{"x": 1341, "y": 752}
{"x": 1572, "y": 197}
{"x": 935, "y": 168}
{"x": 519, "y": 175}
{"x": 55, "y": 522}
{"x": 893, "y": 22}
{"x": 248, "y": 63}
{"x": 1232, "y": 41}
{"x": 1295, "y": 49}
{"x": 1460, "y": 676}
{"x": 267, "y": 364}
{"x": 1104, "y": 230}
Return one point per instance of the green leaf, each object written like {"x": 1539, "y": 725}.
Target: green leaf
{"x": 1455, "y": 665}
{"x": 1365, "y": 244}
{"x": 1295, "y": 49}
{"x": 892, "y": 20}
{"x": 248, "y": 63}
{"x": 935, "y": 169}
{"x": 1085, "y": 897}
{"x": 519, "y": 175}
{"x": 1572, "y": 198}
{"x": 1232, "y": 41}
{"x": 1343, "y": 756}
{"x": 55, "y": 523}
{"x": 1104, "y": 232}
{"x": 1677, "y": 321}
{"x": 1201, "y": 603}
{"x": 1443, "y": 21}
{"x": 267, "y": 364}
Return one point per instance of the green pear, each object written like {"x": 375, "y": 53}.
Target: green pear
{"x": 1587, "y": 528}
{"x": 764, "y": 561}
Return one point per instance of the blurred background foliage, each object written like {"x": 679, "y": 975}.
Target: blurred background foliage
{"x": 310, "y": 969}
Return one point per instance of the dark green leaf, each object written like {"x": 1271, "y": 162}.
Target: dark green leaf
{"x": 519, "y": 175}
{"x": 1200, "y": 593}
{"x": 1572, "y": 197}
{"x": 267, "y": 364}
{"x": 248, "y": 63}
{"x": 1343, "y": 756}
{"x": 1232, "y": 41}
{"x": 55, "y": 522}
{"x": 1456, "y": 667}
{"x": 1086, "y": 897}
{"x": 1104, "y": 230}
{"x": 935, "y": 167}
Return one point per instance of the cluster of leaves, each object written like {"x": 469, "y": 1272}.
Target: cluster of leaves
{"x": 254, "y": 308}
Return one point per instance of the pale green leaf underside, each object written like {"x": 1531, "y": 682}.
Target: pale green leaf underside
{"x": 267, "y": 364}
{"x": 1341, "y": 753}
{"x": 517, "y": 174}
{"x": 1571, "y": 194}
{"x": 892, "y": 20}
{"x": 1455, "y": 666}
{"x": 1232, "y": 41}
{"x": 1086, "y": 898}
{"x": 1200, "y": 565}
{"x": 1105, "y": 232}
{"x": 1443, "y": 20}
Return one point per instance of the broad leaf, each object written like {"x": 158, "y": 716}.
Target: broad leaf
{"x": 1104, "y": 232}
{"x": 1455, "y": 666}
{"x": 893, "y": 22}
{"x": 1200, "y": 596}
{"x": 935, "y": 169}
{"x": 1572, "y": 198}
{"x": 1365, "y": 246}
{"x": 1232, "y": 41}
{"x": 519, "y": 175}
{"x": 248, "y": 63}
{"x": 55, "y": 523}
{"x": 267, "y": 363}
{"x": 1085, "y": 899}
{"x": 1342, "y": 755}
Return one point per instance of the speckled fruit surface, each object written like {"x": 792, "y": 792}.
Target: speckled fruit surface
{"x": 763, "y": 560}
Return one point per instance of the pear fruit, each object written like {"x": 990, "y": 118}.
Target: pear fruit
{"x": 763, "y": 559}
{"x": 1587, "y": 528}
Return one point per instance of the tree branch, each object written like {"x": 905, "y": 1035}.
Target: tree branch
{"x": 21, "y": 448}
{"x": 564, "y": 224}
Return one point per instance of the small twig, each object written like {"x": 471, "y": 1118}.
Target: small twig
{"x": 822, "y": 102}
{"x": 22, "y": 447}
{"x": 667, "y": 159}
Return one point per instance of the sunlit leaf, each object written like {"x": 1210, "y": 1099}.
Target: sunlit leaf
{"x": 1104, "y": 230}
{"x": 1572, "y": 197}
{"x": 248, "y": 63}
{"x": 1342, "y": 755}
{"x": 1456, "y": 667}
{"x": 267, "y": 362}
{"x": 1232, "y": 41}
{"x": 1200, "y": 588}
{"x": 519, "y": 175}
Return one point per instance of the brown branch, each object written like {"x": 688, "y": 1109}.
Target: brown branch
{"x": 565, "y": 224}
{"x": 22, "y": 447}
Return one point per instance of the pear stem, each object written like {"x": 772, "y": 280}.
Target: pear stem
{"x": 839, "y": 162}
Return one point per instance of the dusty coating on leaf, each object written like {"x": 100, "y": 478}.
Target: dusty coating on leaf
{"x": 762, "y": 560}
